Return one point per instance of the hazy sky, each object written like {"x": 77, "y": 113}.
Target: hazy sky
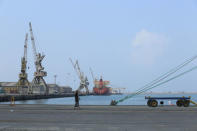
{"x": 127, "y": 42}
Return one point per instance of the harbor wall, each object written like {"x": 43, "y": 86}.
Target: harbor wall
{"x": 7, "y": 98}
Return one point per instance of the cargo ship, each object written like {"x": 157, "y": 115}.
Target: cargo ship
{"x": 101, "y": 87}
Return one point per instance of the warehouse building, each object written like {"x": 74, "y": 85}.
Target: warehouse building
{"x": 12, "y": 88}
{"x": 9, "y": 87}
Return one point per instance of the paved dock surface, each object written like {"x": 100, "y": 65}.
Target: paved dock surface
{"x": 97, "y": 118}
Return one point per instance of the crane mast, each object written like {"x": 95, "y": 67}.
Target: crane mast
{"x": 38, "y": 81}
{"x": 23, "y": 83}
{"x": 25, "y": 47}
{"x": 91, "y": 71}
{"x": 77, "y": 68}
{"x": 83, "y": 79}
{"x": 33, "y": 42}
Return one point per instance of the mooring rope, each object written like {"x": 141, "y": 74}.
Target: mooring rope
{"x": 169, "y": 73}
{"x": 159, "y": 79}
{"x": 142, "y": 91}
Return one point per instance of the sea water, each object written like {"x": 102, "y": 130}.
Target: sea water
{"x": 104, "y": 100}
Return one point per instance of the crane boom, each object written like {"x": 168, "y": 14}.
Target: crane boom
{"x": 83, "y": 80}
{"x": 33, "y": 41}
{"x": 77, "y": 68}
{"x": 24, "y": 58}
{"x": 25, "y": 46}
{"x": 81, "y": 75}
{"x": 23, "y": 83}
{"x": 92, "y": 74}
{"x": 38, "y": 80}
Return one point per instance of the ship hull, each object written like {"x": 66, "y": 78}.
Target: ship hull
{"x": 101, "y": 91}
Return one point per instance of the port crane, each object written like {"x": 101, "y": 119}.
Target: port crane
{"x": 83, "y": 79}
{"x": 38, "y": 80}
{"x": 91, "y": 71}
{"x": 23, "y": 83}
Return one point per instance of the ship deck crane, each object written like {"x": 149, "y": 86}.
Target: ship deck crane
{"x": 83, "y": 79}
{"x": 23, "y": 83}
{"x": 38, "y": 81}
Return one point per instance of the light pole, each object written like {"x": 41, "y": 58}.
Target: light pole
{"x": 55, "y": 77}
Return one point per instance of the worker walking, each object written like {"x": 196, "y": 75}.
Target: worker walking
{"x": 76, "y": 100}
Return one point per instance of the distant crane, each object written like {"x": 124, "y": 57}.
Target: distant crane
{"x": 91, "y": 71}
{"x": 23, "y": 83}
{"x": 38, "y": 81}
{"x": 83, "y": 79}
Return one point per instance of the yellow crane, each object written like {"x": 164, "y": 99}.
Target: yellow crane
{"x": 23, "y": 83}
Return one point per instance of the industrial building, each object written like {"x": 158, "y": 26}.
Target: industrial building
{"x": 65, "y": 89}
{"x": 12, "y": 88}
{"x": 38, "y": 86}
{"x": 8, "y": 87}
{"x": 54, "y": 89}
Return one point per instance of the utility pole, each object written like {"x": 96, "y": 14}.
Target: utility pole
{"x": 55, "y": 77}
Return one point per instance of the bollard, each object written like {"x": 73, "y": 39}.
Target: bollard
{"x": 12, "y": 101}
{"x": 114, "y": 103}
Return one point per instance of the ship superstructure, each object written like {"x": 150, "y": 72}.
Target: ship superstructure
{"x": 101, "y": 87}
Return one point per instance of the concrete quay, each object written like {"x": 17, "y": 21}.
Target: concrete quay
{"x": 17, "y": 97}
{"x": 97, "y": 118}
{"x": 6, "y": 98}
